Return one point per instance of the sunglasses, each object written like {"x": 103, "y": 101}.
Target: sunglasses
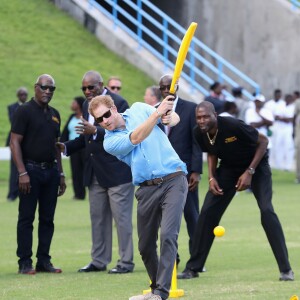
{"x": 47, "y": 87}
{"x": 115, "y": 88}
{"x": 163, "y": 87}
{"x": 89, "y": 87}
{"x": 105, "y": 115}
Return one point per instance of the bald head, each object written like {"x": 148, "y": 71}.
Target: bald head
{"x": 166, "y": 78}
{"x": 45, "y": 77}
{"x": 208, "y": 106}
{"x": 93, "y": 75}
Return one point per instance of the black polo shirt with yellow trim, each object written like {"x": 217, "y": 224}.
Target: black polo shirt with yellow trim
{"x": 40, "y": 129}
{"x": 235, "y": 143}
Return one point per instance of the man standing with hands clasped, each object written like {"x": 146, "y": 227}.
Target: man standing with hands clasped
{"x": 135, "y": 138}
{"x": 35, "y": 129}
{"x": 242, "y": 151}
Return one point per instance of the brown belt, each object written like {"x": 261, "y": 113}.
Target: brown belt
{"x": 159, "y": 181}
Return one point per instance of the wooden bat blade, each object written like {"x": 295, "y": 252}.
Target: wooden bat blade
{"x": 182, "y": 52}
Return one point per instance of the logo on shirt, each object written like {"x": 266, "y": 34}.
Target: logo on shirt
{"x": 55, "y": 119}
{"x": 230, "y": 139}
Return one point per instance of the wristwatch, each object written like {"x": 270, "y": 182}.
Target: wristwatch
{"x": 251, "y": 171}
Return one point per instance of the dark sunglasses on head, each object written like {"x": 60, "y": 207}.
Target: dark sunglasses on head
{"x": 47, "y": 87}
{"x": 115, "y": 88}
{"x": 89, "y": 87}
{"x": 105, "y": 115}
{"x": 163, "y": 87}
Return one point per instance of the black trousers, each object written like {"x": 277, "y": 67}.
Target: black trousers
{"x": 191, "y": 214}
{"x": 214, "y": 207}
{"x": 13, "y": 191}
{"x": 77, "y": 167}
{"x": 44, "y": 188}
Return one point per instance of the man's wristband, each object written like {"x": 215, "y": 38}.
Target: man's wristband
{"x": 210, "y": 179}
{"x": 62, "y": 174}
{"x": 22, "y": 174}
{"x": 159, "y": 114}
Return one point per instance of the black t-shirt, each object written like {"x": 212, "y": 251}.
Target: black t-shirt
{"x": 235, "y": 143}
{"x": 39, "y": 129}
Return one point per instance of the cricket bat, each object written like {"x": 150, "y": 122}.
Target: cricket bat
{"x": 182, "y": 52}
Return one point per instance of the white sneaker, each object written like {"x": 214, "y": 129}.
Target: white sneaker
{"x": 148, "y": 296}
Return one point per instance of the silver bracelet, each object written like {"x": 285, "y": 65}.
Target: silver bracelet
{"x": 22, "y": 174}
{"x": 158, "y": 113}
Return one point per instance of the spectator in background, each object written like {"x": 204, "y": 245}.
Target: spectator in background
{"x": 242, "y": 104}
{"x": 297, "y": 133}
{"x": 277, "y": 107}
{"x": 13, "y": 192}
{"x": 216, "y": 97}
{"x": 76, "y": 159}
{"x": 114, "y": 84}
{"x": 152, "y": 95}
{"x": 109, "y": 182}
{"x": 260, "y": 117}
{"x": 286, "y": 142}
{"x": 183, "y": 142}
{"x": 230, "y": 110}
{"x": 35, "y": 129}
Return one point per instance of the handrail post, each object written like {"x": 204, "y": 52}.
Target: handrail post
{"x": 165, "y": 39}
{"x": 115, "y": 13}
{"x": 192, "y": 69}
{"x": 140, "y": 21}
{"x": 220, "y": 74}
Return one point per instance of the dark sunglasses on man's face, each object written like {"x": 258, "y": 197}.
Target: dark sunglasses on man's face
{"x": 163, "y": 87}
{"x": 89, "y": 87}
{"x": 105, "y": 115}
{"x": 115, "y": 88}
{"x": 47, "y": 87}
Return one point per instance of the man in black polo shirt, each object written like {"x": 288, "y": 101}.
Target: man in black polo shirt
{"x": 243, "y": 162}
{"x": 34, "y": 132}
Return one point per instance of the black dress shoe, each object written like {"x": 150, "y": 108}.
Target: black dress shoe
{"x": 47, "y": 267}
{"x": 27, "y": 269}
{"x": 119, "y": 270}
{"x": 91, "y": 268}
{"x": 187, "y": 274}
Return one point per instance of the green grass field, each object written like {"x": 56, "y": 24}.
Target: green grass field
{"x": 240, "y": 265}
{"x": 37, "y": 38}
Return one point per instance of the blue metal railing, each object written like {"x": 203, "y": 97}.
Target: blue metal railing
{"x": 158, "y": 33}
{"x": 295, "y": 3}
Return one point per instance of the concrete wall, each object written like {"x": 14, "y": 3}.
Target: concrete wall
{"x": 259, "y": 37}
{"x": 121, "y": 43}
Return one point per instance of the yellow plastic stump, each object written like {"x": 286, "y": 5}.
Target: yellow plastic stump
{"x": 174, "y": 291}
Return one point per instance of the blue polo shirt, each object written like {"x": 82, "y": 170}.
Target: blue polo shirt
{"x": 152, "y": 158}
